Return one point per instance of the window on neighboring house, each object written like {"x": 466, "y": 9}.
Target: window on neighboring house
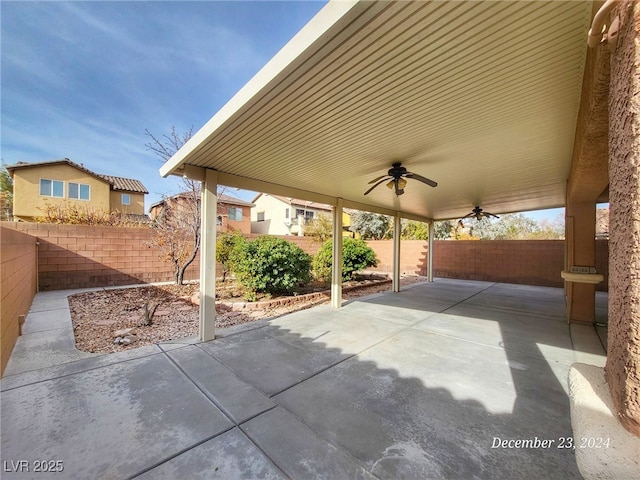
{"x": 308, "y": 216}
{"x": 286, "y": 213}
{"x": 261, "y": 216}
{"x": 79, "y": 191}
{"x": 235, "y": 213}
{"x": 51, "y": 188}
{"x": 219, "y": 220}
{"x": 125, "y": 199}
{"x": 299, "y": 212}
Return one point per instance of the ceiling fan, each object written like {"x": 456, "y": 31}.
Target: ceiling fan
{"x": 396, "y": 177}
{"x": 479, "y": 214}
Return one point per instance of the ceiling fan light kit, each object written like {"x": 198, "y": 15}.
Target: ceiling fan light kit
{"x": 396, "y": 179}
{"x": 479, "y": 214}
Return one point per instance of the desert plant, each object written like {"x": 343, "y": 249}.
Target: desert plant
{"x": 72, "y": 214}
{"x": 356, "y": 256}
{"x": 228, "y": 251}
{"x": 271, "y": 265}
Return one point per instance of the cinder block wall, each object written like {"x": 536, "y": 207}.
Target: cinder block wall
{"x": 413, "y": 256}
{"x": 75, "y": 256}
{"x": 79, "y": 256}
{"x": 17, "y": 285}
{"x": 531, "y": 262}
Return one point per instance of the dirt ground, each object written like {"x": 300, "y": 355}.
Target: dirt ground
{"x": 98, "y": 316}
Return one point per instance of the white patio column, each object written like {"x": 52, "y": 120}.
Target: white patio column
{"x": 430, "y": 253}
{"x": 336, "y": 268}
{"x": 208, "y": 256}
{"x": 397, "y": 232}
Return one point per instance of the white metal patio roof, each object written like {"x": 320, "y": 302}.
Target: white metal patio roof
{"x": 480, "y": 96}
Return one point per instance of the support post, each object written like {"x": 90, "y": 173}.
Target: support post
{"x": 580, "y": 234}
{"x": 430, "y": 253}
{"x": 208, "y": 256}
{"x": 336, "y": 268}
{"x": 397, "y": 232}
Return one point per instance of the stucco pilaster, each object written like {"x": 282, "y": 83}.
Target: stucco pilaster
{"x": 623, "y": 360}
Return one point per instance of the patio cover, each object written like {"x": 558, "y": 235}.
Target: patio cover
{"x": 482, "y": 97}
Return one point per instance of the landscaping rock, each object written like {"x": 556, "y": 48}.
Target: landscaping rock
{"x": 123, "y": 332}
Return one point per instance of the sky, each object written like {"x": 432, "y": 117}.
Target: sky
{"x": 83, "y": 80}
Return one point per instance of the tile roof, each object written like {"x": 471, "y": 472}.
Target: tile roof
{"x": 299, "y": 203}
{"x": 125, "y": 184}
{"x": 117, "y": 183}
{"x": 226, "y": 199}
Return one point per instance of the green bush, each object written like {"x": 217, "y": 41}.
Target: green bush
{"x": 272, "y": 265}
{"x": 228, "y": 251}
{"x": 356, "y": 256}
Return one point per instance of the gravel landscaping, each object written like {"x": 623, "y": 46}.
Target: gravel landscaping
{"x": 103, "y": 317}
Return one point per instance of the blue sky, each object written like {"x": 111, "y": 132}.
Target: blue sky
{"x": 83, "y": 80}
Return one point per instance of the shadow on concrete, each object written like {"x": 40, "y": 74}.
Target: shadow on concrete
{"x": 380, "y": 388}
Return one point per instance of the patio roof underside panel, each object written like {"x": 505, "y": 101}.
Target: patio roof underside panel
{"x": 481, "y": 97}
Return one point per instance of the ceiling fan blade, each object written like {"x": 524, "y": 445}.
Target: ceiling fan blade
{"x": 381, "y": 181}
{"x": 491, "y": 215}
{"x": 468, "y": 215}
{"x": 422, "y": 179}
{"x": 379, "y": 178}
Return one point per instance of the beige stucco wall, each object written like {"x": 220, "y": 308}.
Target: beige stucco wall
{"x": 136, "y": 207}
{"x": 28, "y": 203}
{"x": 275, "y": 220}
{"x": 274, "y": 216}
{"x": 623, "y": 353}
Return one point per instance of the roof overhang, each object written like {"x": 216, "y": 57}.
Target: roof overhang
{"x": 482, "y": 97}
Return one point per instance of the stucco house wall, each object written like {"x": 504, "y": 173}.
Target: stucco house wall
{"x": 136, "y": 203}
{"x": 274, "y": 212}
{"x": 279, "y": 215}
{"x": 28, "y": 203}
{"x": 105, "y": 191}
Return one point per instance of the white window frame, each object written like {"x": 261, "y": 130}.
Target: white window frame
{"x": 79, "y": 191}
{"x": 51, "y": 190}
{"x": 122, "y": 197}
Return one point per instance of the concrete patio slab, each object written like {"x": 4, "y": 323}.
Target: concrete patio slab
{"x": 517, "y": 332}
{"x": 420, "y": 384}
{"x": 239, "y": 400}
{"x": 78, "y": 366}
{"x": 230, "y": 455}
{"x": 426, "y": 406}
{"x": 42, "y": 349}
{"x": 47, "y": 320}
{"x": 272, "y": 363}
{"x": 110, "y": 422}
{"x": 518, "y": 304}
{"x": 298, "y": 451}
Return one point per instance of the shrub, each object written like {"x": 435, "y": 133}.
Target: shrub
{"x": 228, "y": 251}
{"x": 356, "y": 256}
{"x": 271, "y": 265}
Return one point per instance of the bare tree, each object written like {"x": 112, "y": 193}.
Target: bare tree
{"x": 177, "y": 226}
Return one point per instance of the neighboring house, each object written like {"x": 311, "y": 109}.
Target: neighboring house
{"x": 62, "y": 181}
{"x": 234, "y": 215}
{"x": 276, "y": 215}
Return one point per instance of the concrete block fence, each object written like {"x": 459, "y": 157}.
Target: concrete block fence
{"x": 55, "y": 257}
